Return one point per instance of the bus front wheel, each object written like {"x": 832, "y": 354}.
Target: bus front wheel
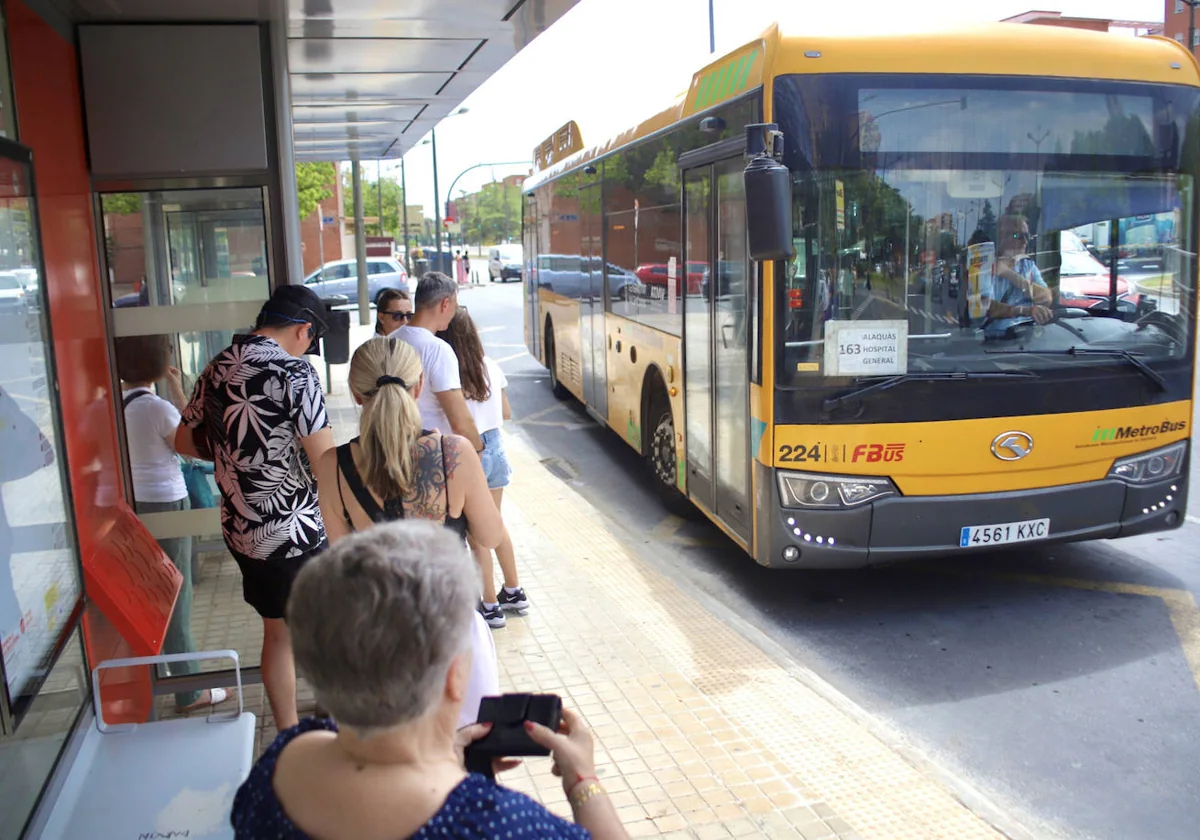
{"x": 556, "y": 387}
{"x": 661, "y": 456}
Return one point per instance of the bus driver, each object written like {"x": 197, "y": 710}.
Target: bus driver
{"x": 1017, "y": 289}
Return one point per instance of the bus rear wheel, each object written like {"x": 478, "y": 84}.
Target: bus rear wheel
{"x": 556, "y": 387}
{"x": 661, "y": 457}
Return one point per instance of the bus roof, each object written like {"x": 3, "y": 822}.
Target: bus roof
{"x": 1003, "y": 49}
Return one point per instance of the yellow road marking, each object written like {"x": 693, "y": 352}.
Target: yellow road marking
{"x": 1181, "y": 605}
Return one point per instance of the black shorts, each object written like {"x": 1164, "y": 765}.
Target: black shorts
{"x": 266, "y": 584}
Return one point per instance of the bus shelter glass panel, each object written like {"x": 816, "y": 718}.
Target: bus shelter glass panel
{"x": 188, "y": 269}
{"x": 41, "y": 664}
{"x": 182, "y": 247}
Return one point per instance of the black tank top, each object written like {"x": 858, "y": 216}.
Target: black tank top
{"x": 392, "y": 509}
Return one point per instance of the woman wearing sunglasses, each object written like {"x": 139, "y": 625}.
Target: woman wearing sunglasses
{"x": 393, "y": 308}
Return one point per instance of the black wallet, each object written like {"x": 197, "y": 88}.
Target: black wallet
{"x": 508, "y": 738}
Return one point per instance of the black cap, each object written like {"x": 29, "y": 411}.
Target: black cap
{"x": 294, "y": 304}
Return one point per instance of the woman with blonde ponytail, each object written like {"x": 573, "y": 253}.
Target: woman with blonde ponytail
{"x": 395, "y": 470}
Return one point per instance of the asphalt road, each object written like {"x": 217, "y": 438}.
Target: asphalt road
{"x": 1060, "y": 683}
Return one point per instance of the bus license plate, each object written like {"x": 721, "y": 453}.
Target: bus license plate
{"x": 977, "y": 536}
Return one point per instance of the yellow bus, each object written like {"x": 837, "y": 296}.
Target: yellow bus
{"x": 870, "y": 298}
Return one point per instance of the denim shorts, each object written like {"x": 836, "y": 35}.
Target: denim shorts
{"x": 495, "y": 462}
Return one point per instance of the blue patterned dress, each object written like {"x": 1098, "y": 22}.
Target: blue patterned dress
{"x": 477, "y": 809}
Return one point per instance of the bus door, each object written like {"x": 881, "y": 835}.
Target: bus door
{"x": 716, "y": 342}
{"x": 591, "y": 300}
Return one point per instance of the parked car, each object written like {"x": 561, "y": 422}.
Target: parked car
{"x": 12, "y": 293}
{"x": 504, "y": 262}
{"x": 340, "y": 277}
{"x": 573, "y": 276}
{"x": 654, "y": 276}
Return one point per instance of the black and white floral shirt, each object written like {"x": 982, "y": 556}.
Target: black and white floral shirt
{"x": 256, "y": 402}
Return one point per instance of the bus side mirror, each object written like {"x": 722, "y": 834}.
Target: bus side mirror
{"x": 768, "y": 195}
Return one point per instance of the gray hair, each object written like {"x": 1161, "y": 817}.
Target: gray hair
{"x": 377, "y": 619}
{"x": 434, "y": 288}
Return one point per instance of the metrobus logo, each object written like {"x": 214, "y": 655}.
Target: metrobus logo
{"x": 1131, "y": 432}
{"x": 874, "y": 452}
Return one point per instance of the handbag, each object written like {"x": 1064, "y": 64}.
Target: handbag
{"x": 195, "y": 475}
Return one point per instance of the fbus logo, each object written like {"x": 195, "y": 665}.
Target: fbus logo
{"x": 873, "y": 452}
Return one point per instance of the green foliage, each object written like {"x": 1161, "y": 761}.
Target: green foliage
{"x": 312, "y": 185}
{"x": 493, "y": 214}
{"x": 121, "y": 204}
{"x": 393, "y": 201}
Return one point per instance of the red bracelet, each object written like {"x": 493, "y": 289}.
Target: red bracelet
{"x": 579, "y": 779}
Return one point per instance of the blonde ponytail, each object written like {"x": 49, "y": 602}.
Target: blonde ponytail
{"x": 383, "y": 373}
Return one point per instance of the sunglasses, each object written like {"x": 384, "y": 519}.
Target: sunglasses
{"x": 1021, "y": 237}
{"x": 398, "y": 316}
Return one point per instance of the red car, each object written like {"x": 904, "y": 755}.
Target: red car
{"x": 654, "y": 275}
{"x": 1083, "y": 280}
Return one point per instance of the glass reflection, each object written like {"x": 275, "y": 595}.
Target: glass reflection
{"x": 39, "y": 574}
{"x": 185, "y": 247}
{"x": 28, "y": 758}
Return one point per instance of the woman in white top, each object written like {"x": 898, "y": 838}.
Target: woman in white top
{"x": 158, "y": 483}
{"x": 484, "y": 386}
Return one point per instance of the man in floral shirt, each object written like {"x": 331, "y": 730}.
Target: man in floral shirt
{"x": 258, "y": 408}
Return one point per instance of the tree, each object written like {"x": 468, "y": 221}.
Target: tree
{"x": 313, "y": 180}
{"x": 393, "y": 199}
{"x": 494, "y": 213}
{"x": 121, "y": 204}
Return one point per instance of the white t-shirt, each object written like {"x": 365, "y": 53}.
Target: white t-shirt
{"x": 441, "y": 374}
{"x": 149, "y": 421}
{"x": 489, "y": 414}
{"x": 485, "y": 673}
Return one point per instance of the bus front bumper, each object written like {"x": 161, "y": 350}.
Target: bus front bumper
{"x": 911, "y": 527}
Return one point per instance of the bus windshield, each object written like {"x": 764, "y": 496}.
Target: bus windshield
{"x": 983, "y": 225}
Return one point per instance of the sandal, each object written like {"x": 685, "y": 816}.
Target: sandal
{"x": 215, "y": 697}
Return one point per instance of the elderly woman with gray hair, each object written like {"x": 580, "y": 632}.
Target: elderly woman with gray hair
{"x": 380, "y": 628}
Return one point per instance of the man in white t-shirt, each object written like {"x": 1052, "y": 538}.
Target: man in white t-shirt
{"x": 442, "y": 404}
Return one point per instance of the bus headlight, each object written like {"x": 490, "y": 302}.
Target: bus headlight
{"x": 815, "y": 490}
{"x": 1156, "y": 465}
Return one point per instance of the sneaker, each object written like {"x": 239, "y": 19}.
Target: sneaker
{"x": 516, "y": 601}
{"x": 494, "y": 617}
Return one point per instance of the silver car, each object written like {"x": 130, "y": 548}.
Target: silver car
{"x": 340, "y": 277}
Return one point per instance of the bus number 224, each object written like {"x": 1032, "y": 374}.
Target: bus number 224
{"x": 793, "y": 454}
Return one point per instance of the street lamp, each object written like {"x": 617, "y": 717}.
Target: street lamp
{"x": 437, "y": 210}
{"x": 1191, "y": 36}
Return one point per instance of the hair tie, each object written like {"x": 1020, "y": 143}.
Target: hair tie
{"x": 390, "y": 380}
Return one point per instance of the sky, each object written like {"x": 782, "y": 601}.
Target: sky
{"x": 607, "y": 64}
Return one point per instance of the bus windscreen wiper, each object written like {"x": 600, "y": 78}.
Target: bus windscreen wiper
{"x": 928, "y": 376}
{"x": 1115, "y": 352}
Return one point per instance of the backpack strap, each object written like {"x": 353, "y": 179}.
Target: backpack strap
{"x": 130, "y": 397}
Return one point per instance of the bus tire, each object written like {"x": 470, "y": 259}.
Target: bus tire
{"x": 658, "y": 444}
{"x": 556, "y": 387}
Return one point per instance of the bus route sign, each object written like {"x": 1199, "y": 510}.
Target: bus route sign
{"x": 866, "y": 348}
